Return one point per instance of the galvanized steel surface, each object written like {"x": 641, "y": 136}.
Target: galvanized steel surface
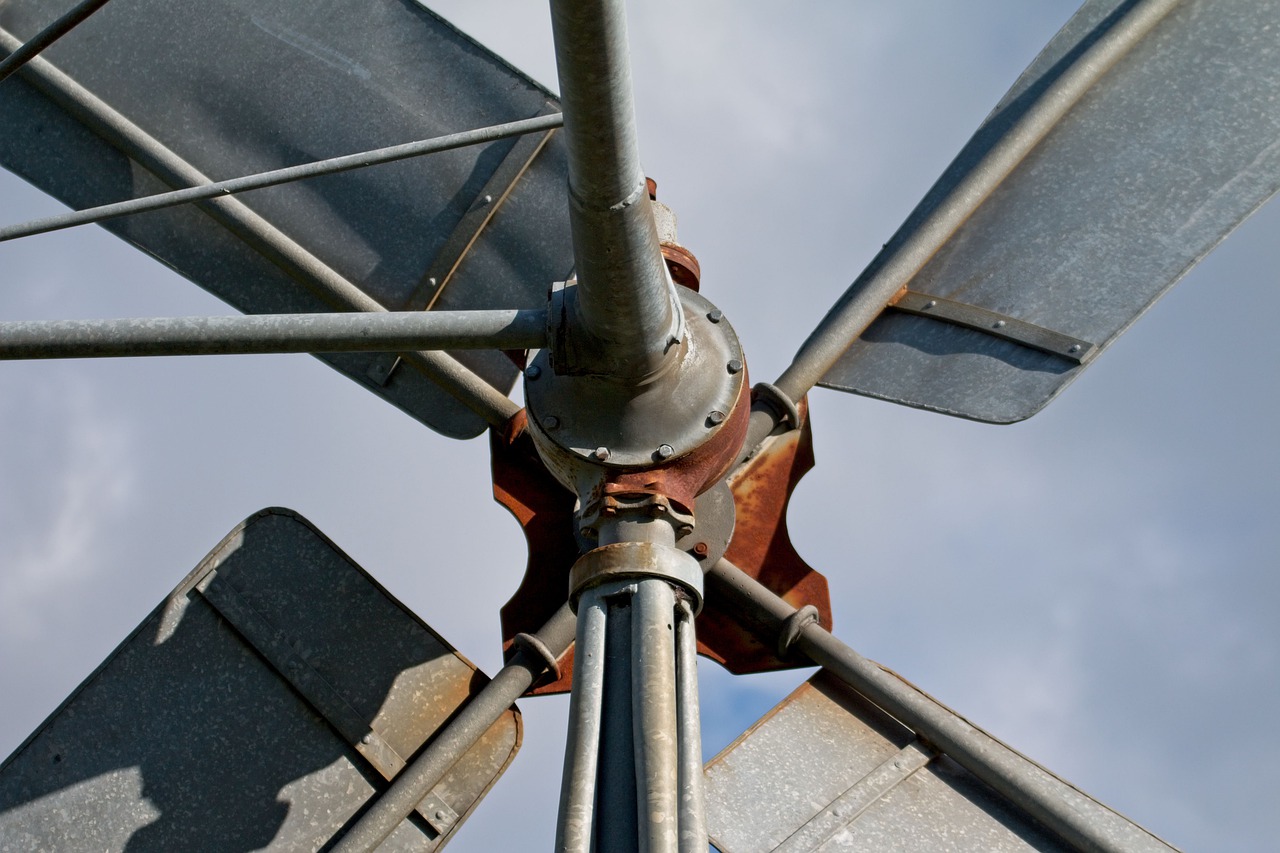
{"x": 827, "y": 771}
{"x": 236, "y": 716}
{"x": 307, "y": 81}
{"x": 1144, "y": 173}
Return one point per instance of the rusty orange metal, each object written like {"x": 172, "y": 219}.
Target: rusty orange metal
{"x": 761, "y": 546}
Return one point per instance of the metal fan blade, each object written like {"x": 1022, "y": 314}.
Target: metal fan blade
{"x": 265, "y": 704}
{"x": 1144, "y": 133}
{"x": 147, "y": 96}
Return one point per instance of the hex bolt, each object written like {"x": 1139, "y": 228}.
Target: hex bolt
{"x": 735, "y": 365}
{"x": 666, "y": 451}
{"x": 550, "y": 422}
{"x": 601, "y": 453}
{"x": 532, "y": 372}
{"x": 715, "y": 315}
{"x": 716, "y": 417}
{"x": 700, "y": 550}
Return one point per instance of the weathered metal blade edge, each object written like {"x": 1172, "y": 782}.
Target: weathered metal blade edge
{"x": 1152, "y": 168}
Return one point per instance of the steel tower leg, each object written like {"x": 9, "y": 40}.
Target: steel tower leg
{"x": 633, "y": 763}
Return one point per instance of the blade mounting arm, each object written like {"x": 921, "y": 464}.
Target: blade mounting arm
{"x": 274, "y": 333}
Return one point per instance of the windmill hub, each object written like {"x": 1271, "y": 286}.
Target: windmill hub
{"x": 644, "y": 449}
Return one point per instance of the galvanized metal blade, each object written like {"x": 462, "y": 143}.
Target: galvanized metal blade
{"x": 1081, "y": 199}
{"x": 262, "y": 705}
{"x": 467, "y": 229}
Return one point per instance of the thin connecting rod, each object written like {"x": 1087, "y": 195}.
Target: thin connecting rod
{"x": 693, "y": 819}
{"x": 276, "y": 177}
{"x": 41, "y": 40}
{"x": 626, "y": 304}
{"x": 653, "y": 680}
{"x": 864, "y": 301}
{"x": 1077, "y": 819}
{"x": 268, "y": 241}
{"x": 426, "y": 770}
{"x": 576, "y": 827}
{"x": 274, "y": 333}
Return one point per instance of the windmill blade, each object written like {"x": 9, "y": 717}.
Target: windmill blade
{"x": 1142, "y": 135}
{"x": 306, "y": 81}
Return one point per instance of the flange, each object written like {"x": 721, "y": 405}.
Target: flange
{"x": 585, "y": 424}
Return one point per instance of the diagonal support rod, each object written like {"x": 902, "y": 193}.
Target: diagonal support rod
{"x": 274, "y": 333}
{"x": 41, "y": 40}
{"x": 276, "y": 177}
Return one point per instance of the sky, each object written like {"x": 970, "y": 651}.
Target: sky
{"x": 1096, "y": 586}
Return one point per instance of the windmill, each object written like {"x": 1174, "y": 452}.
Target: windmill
{"x": 822, "y": 445}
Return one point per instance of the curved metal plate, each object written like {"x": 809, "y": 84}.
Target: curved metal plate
{"x": 1165, "y": 155}
{"x": 231, "y": 88}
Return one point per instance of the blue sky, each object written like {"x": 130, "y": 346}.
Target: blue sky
{"x": 1096, "y": 586}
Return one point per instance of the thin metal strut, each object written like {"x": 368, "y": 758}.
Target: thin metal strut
{"x": 41, "y": 40}
{"x": 330, "y": 166}
{"x": 274, "y": 333}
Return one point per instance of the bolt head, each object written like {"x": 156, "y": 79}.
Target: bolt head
{"x": 367, "y": 739}
{"x": 550, "y": 422}
{"x": 533, "y": 371}
{"x": 666, "y": 451}
{"x": 601, "y": 453}
{"x": 999, "y": 324}
{"x": 735, "y": 365}
{"x": 440, "y": 815}
{"x": 716, "y": 417}
{"x": 1074, "y": 348}
{"x": 701, "y": 549}
{"x": 715, "y": 316}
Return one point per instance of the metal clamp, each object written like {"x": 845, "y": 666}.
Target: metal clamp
{"x": 636, "y": 560}
{"x": 791, "y": 627}
{"x": 783, "y": 406}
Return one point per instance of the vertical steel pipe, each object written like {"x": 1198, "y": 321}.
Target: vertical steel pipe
{"x": 653, "y": 678}
{"x": 586, "y": 703}
{"x": 693, "y": 819}
{"x": 616, "y": 829}
{"x": 625, "y": 300}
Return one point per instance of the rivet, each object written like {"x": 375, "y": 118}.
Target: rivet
{"x": 488, "y": 199}
{"x": 716, "y": 417}
{"x": 1074, "y": 348}
{"x": 735, "y": 366}
{"x": 701, "y": 549}
{"x": 432, "y": 281}
{"x": 715, "y": 315}
{"x": 999, "y": 324}
{"x": 532, "y": 372}
{"x": 666, "y": 451}
{"x": 367, "y": 739}
{"x": 933, "y": 303}
{"x": 601, "y": 453}
{"x": 551, "y": 422}
{"x": 440, "y": 815}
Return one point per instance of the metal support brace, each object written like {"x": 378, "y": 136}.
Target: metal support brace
{"x": 426, "y": 770}
{"x": 1079, "y": 820}
{"x": 633, "y": 762}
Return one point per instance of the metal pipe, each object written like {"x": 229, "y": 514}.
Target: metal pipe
{"x": 274, "y": 333}
{"x": 693, "y": 818}
{"x": 626, "y": 303}
{"x": 1038, "y": 792}
{"x": 653, "y": 690}
{"x": 276, "y": 177}
{"x": 320, "y": 279}
{"x": 893, "y": 269}
{"x": 41, "y": 40}
{"x": 422, "y": 774}
{"x": 616, "y": 827}
{"x": 574, "y": 829}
